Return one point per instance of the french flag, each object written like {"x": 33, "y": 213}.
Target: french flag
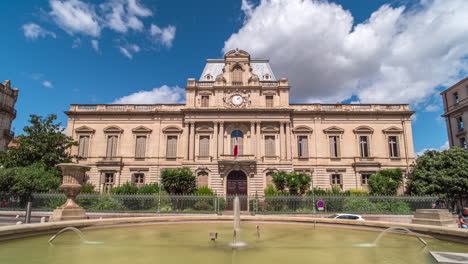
{"x": 236, "y": 148}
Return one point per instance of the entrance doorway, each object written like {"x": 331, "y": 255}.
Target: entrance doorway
{"x": 237, "y": 185}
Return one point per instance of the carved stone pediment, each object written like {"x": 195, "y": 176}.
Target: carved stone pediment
{"x": 363, "y": 130}
{"x": 172, "y": 129}
{"x": 84, "y": 130}
{"x": 393, "y": 129}
{"x": 113, "y": 129}
{"x": 247, "y": 166}
{"x": 302, "y": 130}
{"x": 270, "y": 129}
{"x": 141, "y": 129}
{"x": 204, "y": 129}
{"x": 333, "y": 130}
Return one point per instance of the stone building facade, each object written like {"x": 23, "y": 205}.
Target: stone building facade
{"x": 239, "y": 99}
{"x": 8, "y": 97}
{"x": 455, "y": 101}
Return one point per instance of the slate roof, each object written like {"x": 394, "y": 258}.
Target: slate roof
{"x": 260, "y": 67}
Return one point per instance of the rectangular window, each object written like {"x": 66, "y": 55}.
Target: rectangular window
{"x": 393, "y": 147}
{"x": 463, "y": 143}
{"x": 334, "y": 146}
{"x": 365, "y": 178}
{"x": 364, "y": 146}
{"x": 108, "y": 181}
{"x": 460, "y": 124}
{"x": 111, "y": 146}
{"x": 140, "y": 147}
{"x": 269, "y": 101}
{"x": 270, "y": 146}
{"x": 205, "y": 99}
{"x": 336, "y": 179}
{"x": 83, "y": 147}
{"x": 302, "y": 146}
{"x": 204, "y": 146}
{"x": 139, "y": 178}
{"x": 171, "y": 151}
{"x": 456, "y": 100}
{"x": 240, "y": 144}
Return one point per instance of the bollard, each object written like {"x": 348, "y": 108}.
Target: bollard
{"x": 28, "y": 213}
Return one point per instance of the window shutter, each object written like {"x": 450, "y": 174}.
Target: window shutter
{"x": 111, "y": 146}
{"x": 270, "y": 146}
{"x": 240, "y": 141}
{"x": 83, "y": 147}
{"x": 338, "y": 149}
{"x": 171, "y": 151}
{"x": 204, "y": 146}
{"x": 304, "y": 146}
{"x": 332, "y": 147}
{"x": 140, "y": 146}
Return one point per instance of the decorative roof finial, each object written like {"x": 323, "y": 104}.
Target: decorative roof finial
{"x": 237, "y": 51}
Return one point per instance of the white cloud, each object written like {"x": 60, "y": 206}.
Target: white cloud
{"x": 128, "y": 50}
{"x": 432, "y": 108}
{"x": 395, "y": 56}
{"x": 76, "y": 43}
{"x": 445, "y": 146}
{"x": 247, "y": 8}
{"x": 122, "y": 15}
{"x": 414, "y": 117}
{"x": 47, "y": 84}
{"x": 75, "y": 17}
{"x": 165, "y": 36}
{"x": 33, "y": 31}
{"x": 161, "y": 95}
{"x": 95, "y": 44}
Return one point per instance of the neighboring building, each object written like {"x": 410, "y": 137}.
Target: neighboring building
{"x": 456, "y": 113}
{"x": 238, "y": 99}
{"x": 8, "y": 97}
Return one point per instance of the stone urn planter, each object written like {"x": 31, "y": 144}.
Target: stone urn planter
{"x": 73, "y": 179}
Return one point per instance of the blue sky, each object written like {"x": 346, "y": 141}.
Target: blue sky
{"x": 61, "y": 52}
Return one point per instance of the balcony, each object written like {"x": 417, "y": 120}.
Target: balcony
{"x": 8, "y": 133}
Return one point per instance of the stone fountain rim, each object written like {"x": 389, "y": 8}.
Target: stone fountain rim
{"x": 26, "y": 230}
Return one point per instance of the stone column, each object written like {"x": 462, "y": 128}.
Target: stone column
{"x": 259, "y": 139}
{"x": 186, "y": 140}
{"x": 192, "y": 141}
{"x": 72, "y": 181}
{"x": 288, "y": 141}
{"x": 282, "y": 145}
{"x": 252, "y": 139}
{"x": 221, "y": 139}
{"x": 215, "y": 140}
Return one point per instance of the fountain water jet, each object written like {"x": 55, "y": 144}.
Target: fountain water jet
{"x": 78, "y": 232}
{"x": 236, "y": 243}
{"x": 397, "y": 228}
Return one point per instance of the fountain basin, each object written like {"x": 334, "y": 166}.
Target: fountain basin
{"x": 188, "y": 242}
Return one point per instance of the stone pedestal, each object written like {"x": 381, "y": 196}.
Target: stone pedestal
{"x": 435, "y": 217}
{"x": 73, "y": 178}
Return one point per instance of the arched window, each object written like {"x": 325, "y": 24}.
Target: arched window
{"x": 202, "y": 179}
{"x": 240, "y": 141}
{"x": 236, "y": 75}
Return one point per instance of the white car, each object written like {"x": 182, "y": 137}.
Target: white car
{"x": 346, "y": 217}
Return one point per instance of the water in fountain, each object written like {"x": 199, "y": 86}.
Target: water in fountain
{"x": 236, "y": 232}
{"x": 376, "y": 241}
{"x": 78, "y": 232}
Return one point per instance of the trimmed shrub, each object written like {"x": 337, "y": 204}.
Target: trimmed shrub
{"x": 151, "y": 188}
{"x": 178, "y": 181}
{"x": 394, "y": 207}
{"x": 358, "y": 192}
{"x": 205, "y": 190}
{"x": 105, "y": 204}
{"x": 359, "y": 205}
{"x": 126, "y": 188}
{"x": 88, "y": 188}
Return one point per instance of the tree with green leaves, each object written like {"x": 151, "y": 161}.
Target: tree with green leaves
{"x": 296, "y": 183}
{"x": 43, "y": 142}
{"x": 27, "y": 180}
{"x": 442, "y": 173}
{"x": 178, "y": 181}
{"x": 386, "y": 182}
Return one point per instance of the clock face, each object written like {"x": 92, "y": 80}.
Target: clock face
{"x": 237, "y": 99}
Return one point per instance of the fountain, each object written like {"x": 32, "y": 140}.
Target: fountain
{"x": 396, "y": 228}
{"x": 78, "y": 232}
{"x": 236, "y": 243}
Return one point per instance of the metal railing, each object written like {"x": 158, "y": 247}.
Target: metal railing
{"x": 199, "y": 204}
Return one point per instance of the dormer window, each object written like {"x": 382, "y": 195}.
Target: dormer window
{"x": 208, "y": 77}
{"x": 266, "y": 77}
{"x": 205, "y": 99}
{"x": 455, "y": 98}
